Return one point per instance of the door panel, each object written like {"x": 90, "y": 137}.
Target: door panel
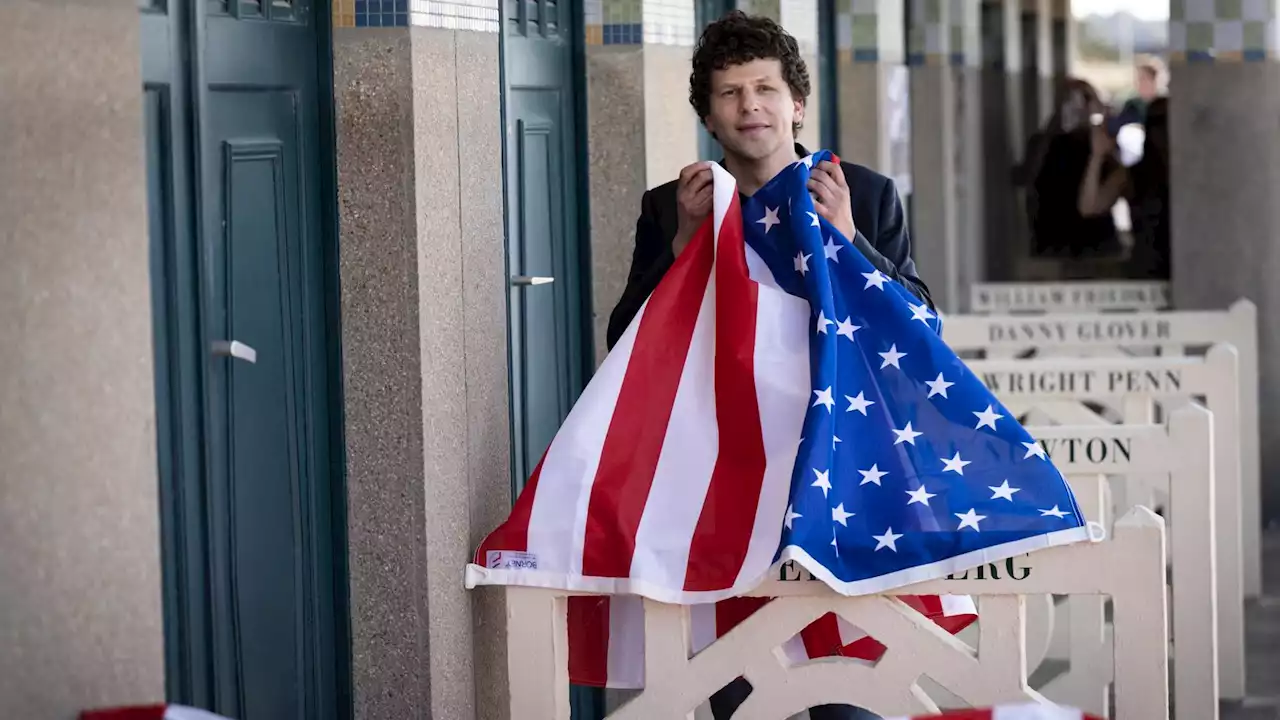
{"x": 548, "y": 333}
{"x": 238, "y": 246}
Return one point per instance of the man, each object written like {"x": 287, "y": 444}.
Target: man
{"x": 749, "y": 86}
{"x": 1151, "y": 80}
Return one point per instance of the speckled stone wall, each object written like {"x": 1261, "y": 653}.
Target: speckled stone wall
{"x": 80, "y": 608}
{"x": 424, "y": 353}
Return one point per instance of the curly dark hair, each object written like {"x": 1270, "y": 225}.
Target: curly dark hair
{"x": 739, "y": 38}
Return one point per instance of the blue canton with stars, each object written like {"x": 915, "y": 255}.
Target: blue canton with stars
{"x": 908, "y": 467}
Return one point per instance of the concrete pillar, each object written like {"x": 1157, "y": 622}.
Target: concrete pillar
{"x": 1003, "y": 138}
{"x": 966, "y": 69}
{"x": 1064, "y": 33}
{"x": 1225, "y": 176}
{"x": 874, "y": 83}
{"x": 424, "y": 319}
{"x": 80, "y": 582}
{"x": 1037, "y": 57}
{"x": 641, "y": 129}
{"x": 935, "y": 235}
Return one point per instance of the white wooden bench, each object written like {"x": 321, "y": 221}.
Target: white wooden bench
{"x": 1128, "y": 567}
{"x": 1173, "y": 333}
{"x": 1183, "y": 452}
{"x": 1057, "y": 388}
{"x": 1076, "y": 296}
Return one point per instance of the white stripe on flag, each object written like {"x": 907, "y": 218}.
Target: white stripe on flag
{"x": 953, "y": 605}
{"x": 782, "y": 392}
{"x": 626, "y": 641}
{"x": 686, "y": 462}
{"x": 1035, "y": 712}
{"x": 569, "y": 470}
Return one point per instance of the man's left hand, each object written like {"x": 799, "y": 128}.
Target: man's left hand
{"x": 831, "y": 196}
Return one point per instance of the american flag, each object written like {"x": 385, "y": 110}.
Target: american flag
{"x": 1025, "y": 711}
{"x": 776, "y": 399}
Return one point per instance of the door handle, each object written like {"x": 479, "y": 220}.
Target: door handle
{"x": 235, "y": 349}
{"x": 531, "y": 280}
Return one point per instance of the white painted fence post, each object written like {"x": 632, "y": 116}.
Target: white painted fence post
{"x": 1214, "y": 377}
{"x": 537, "y": 653}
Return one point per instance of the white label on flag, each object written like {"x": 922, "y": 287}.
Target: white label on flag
{"x": 511, "y": 560}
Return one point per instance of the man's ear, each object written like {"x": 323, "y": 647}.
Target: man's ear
{"x": 798, "y": 107}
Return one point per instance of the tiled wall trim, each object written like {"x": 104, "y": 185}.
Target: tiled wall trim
{"x": 475, "y": 15}
{"x": 1223, "y": 30}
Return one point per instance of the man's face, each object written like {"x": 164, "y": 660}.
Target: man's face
{"x": 1147, "y": 89}
{"x": 752, "y": 111}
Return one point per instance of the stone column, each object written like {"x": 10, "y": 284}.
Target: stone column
{"x": 80, "y": 583}
{"x": 423, "y": 275}
{"x": 641, "y": 129}
{"x": 1037, "y": 56}
{"x": 966, "y": 64}
{"x": 1003, "y": 138}
{"x": 874, "y": 84}
{"x": 934, "y": 230}
{"x": 1225, "y": 177}
{"x": 1064, "y": 33}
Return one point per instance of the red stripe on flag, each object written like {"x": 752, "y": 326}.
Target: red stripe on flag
{"x": 821, "y": 637}
{"x": 728, "y": 517}
{"x": 734, "y": 610}
{"x": 514, "y": 533}
{"x": 638, "y": 427}
{"x": 588, "y": 621}
{"x": 139, "y": 712}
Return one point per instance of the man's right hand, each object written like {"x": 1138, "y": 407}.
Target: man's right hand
{"x": 694, "y": 195}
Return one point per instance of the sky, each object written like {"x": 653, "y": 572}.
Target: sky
{"x": 1144, "y": 9}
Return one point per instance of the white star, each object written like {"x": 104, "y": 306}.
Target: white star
{"x": 906, "y": 435}
{"x": 815, "y": 218}
{"x": 970, "y": 519}
{"x": 920, "y": 495}
{"x": 872, "y": 476}
{"x": 770, "y": 219}
{"x": 1033, "y": 450}
{"x": 832, "y": 250}
{"x": 824, "y": 399}
{"x": 955, "y": 464}
{"x": 921, "y": 313}
{"x": 988, "y": 418}
{"x": 840, "y": 516}
{"x": 823, "y": 481}
{"x": 887, "y": 540}
{"x": 876, "y": 278}
{"x": 835, "y": 440}
{"x": 892, "y": 357}
{"x": 791, "y": 515}
{"x": 859, "y": 403}
{"x": 823, "y": 322}
{"x": 808, "y": 161}
{"x": 1055, "y": 512}
{"x": 939, "y": 386}
{"x": 1003, "y": 491}
{"x": 847, "y": 328}
{"x": 802, "y": 262}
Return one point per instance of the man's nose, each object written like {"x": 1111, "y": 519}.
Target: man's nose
{"x": 750, "y": 102}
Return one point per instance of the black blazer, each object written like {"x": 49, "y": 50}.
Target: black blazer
{"x": 877, "y": 215}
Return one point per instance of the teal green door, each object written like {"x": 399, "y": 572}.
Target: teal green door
{"x": 550, "y": 340}
{"x": 549, "y": 336}
{"x": 240, "y": 231}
